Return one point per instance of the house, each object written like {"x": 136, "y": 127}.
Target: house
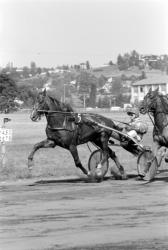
{"x": 83, "y": 66}
{"x": 140, "y": 88}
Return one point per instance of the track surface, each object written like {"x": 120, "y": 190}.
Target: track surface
{"x": 74, "y": 214}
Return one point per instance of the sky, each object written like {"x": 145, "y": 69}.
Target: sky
{"x": 57, "y": 32}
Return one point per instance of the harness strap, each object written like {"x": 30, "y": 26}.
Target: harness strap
{"x": 59, "y": 112}
{"x": 152, "y": 120}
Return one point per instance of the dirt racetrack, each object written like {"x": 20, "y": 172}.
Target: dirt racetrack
{"x": 73, "y": 214}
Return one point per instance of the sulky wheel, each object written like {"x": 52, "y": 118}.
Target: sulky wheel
{"x": 94, "y": 160}
{"x": 147, "y": 165}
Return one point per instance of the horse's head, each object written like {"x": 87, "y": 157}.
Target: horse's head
{"x": 149, "y": 102}
{"x": 45, "y": 103}
{"x": 40, "y": 106}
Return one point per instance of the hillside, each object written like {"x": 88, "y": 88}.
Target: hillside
{"x": 65, "y": 85}
{"x": 111, "y": 71}
{"x": 107, "y": 71}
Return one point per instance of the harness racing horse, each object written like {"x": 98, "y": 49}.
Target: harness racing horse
{"x": 157, "y": 104}
{"x": 68, "y": 129}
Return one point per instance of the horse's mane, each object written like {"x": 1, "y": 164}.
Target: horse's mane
{"x": 61, "y": 106}
{"x": 164, "y": 101}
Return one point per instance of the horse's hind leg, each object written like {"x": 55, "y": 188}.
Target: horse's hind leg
{"x": 122, "y": 175}
{"x": 74, "y": 152}
{"x": 102, "y": 142}
{"x": 43, "y": 144}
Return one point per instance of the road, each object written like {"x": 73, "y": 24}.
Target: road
{"x": 74, "y": 214}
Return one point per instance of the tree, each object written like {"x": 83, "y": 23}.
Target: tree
{"x": 26, "y": 72}
{"x": 27, "y": 94}
{"x": 128, "y": 60}
{"x": 110, "y": 63}
{"x": 39, "y": 70}
{"x": 123, "y": 62}
{"x": 87, "y": 65}
{"x": 117, "y": 86}
{"x": 134, "y": 58}
{"x": 143, "y": 75}
{"x": 33, "y": 68}
{"x": 8, "y": 93}
{"x": 120, "y": 59}
{"x": 33, "y": 65}
{"x": 105, "y": 102}
{"x": 83, "y": 82}
{"x": 101, "y": 81}
{"x": 92, "y": 98}
{"x": 88, "y": 85}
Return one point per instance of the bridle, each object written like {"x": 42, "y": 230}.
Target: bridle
{"x": 150, "y": 110}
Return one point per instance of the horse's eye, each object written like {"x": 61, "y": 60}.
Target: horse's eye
{"x": 149, "y": 95}
{"x": 40, "y": 99}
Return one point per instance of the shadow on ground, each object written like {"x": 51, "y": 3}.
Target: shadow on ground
{"x": 76, "y": 180}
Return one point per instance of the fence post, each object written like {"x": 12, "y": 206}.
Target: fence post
{"x": 3, "y": 144}
{"x": 3, "y": 153}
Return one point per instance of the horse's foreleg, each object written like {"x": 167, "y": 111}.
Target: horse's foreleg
{"x": 43, "y": 144}
{"x": 74, "y": 152}
{"x": 160, "y": 153}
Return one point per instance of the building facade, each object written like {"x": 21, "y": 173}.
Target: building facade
{"x": 140, "y": 88}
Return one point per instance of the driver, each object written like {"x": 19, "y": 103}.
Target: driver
{"x": 135, "y": 128}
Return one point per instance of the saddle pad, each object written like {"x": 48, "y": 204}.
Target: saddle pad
{"x": 61, "y": 121}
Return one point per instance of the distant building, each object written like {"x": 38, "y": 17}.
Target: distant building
{"x": 148, "y": 60}
{"x": 140, "y": 88}
{"x": 83, "y": 66}
{"x": 9, "y": 65}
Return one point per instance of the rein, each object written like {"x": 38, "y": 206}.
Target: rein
{"x": 71, "y": 113}
{"x": 59, "y": 112}
{"x": 152, "y": 120}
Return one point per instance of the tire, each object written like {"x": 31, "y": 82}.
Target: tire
{"x": 94, "y": 160}
{"x": 147, "y": 165}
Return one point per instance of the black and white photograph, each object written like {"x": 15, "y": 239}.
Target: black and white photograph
{"x": 83, "y": 124}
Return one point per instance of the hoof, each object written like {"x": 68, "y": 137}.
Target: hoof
{"x": 116, "y": 174}
{"x": 140, "y": 177}
{"x": 99, "y": 175}
{"x": 91, "y": 179}
{"x": 29, "y": 175}
{"x": 30, "y": 169}
{"x": 142, "y": 174}
{"x": 30, "y": 164}
{"x": 117, "y": 177}
{"x": 124, "y": 177}
{"x": 121, "y": 177}
{"x": 89, "y": 174}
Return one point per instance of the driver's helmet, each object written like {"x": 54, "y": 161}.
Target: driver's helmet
{"x": 142, "y": 128}
{"x": 133, "y": 111}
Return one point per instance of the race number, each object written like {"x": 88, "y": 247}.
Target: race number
{"x": 5, "y": 135}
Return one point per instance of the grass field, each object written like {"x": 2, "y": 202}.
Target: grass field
{"x": 51, "y": 162}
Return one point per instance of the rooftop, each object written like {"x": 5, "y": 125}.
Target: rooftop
{"x": 157, "y": 79}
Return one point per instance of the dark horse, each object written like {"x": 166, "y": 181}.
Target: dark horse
{"x": 156, "y": 104}
{"x": 67, "y": 129}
